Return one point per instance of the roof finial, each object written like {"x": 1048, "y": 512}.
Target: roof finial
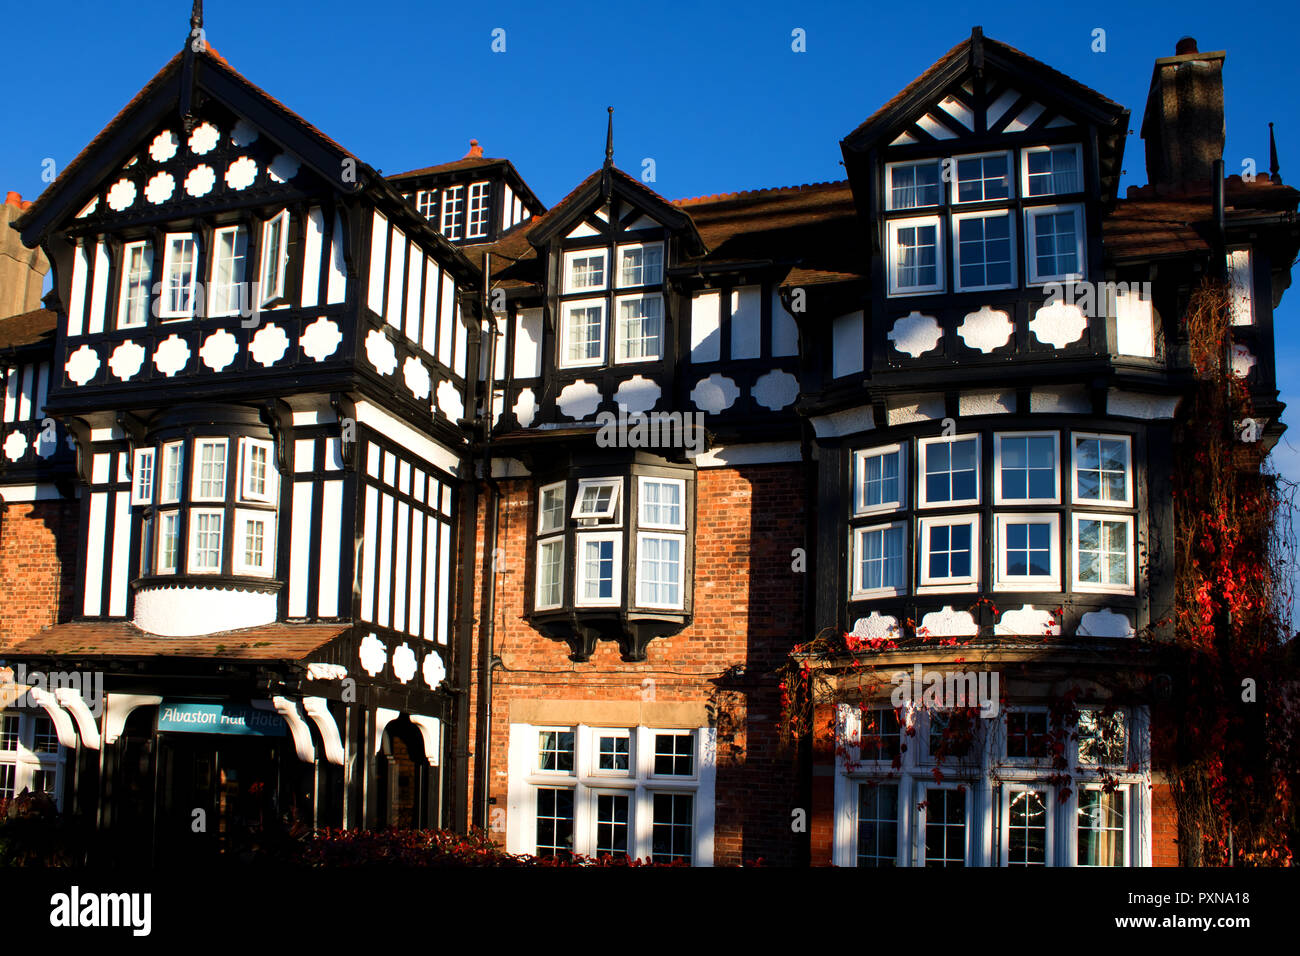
{"x": 475, "y": 150}
{"x": 609, "y": 140}
{"x": 1273, "y": 171}
{"x": 196, "y": 16}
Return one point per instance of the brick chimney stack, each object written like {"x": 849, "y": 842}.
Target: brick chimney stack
{"x": 1183, "y": 120}
{"x": 22, "y": 270}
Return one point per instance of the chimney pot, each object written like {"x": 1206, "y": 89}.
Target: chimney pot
{"x": 13, "y": 199}
{"x": 1186, "y": 45}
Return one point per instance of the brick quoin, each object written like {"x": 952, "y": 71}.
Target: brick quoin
{"x": 38, "y": 565}
{"x": 748, "y": 611}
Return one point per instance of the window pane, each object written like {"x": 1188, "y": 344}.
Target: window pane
{"x": 212, "y": 470}
{"x": 880, "y": 479}
{"x": 878, "y": 824}
{"x": 552, "y": 509}
{"x": 1103, "y": 737}
{"x": 984, "y": 251}
{"x": 1026, "y": 828}
{"x": 674, "y": 754}
{"x": 614, "y": 752}
{"x": 1101, "y": 827}
{"x": 640, "y": 327}
{"x": 917, "y": 256}
{"x": 8, "y": 731}
{"x": 612, "y": 812}
{"x": 881, "y": 558}
{"x": 945, "y": 827}
{"x": 1055, "y": 245}
{"x": 982, "y": 177}
{"x": 179, "y": 289}
{"x": 661, "y": 503}
{"x": 1027, "y": 735}
{"x": 598, "y": 570}
{"x": 660, "y": 570}
{"x": 554, "y": 822}
{"x": 879, "y": 739}
{"x": 912, "y": 186}
{"x": 951, "y": 471}
{"x": 1053, "y": 171}
{"x": 555, "y": 750}
{"x": 550, "y": 573}
{"x": 673, "y": 825}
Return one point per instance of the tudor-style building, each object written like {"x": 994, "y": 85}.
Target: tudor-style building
{"x": 510, "y": 514}
{"x": 261, "y": 352}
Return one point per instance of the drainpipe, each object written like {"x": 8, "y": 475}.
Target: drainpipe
{"x": 488, "y": 661}
{"x": 1220, "y": 266}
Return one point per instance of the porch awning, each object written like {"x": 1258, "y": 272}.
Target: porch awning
{"x": 116, "y": 639}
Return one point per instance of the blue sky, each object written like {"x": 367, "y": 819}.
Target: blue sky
{"x": 712, "y": 92}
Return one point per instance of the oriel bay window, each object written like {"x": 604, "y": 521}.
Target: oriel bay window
{"x": 218, "y": 517}
{"x": 624, "y": 541}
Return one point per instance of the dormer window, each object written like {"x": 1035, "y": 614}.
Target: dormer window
{"x": 912, "y": 185}
{"x": 478, "y": 210}
{"x": 640, "y": 265}
{"x": 584, "y": 270}
{"x": 983, "y": 178}
{"x": 180, "y": 276}
{"x": 275, "y": 257}
{"x": 453, "y": 211}
{"x": 1052, "y": 170}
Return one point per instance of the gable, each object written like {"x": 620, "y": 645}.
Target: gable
{"x": 618, "y": 217}
{"x": 980, "y": 106}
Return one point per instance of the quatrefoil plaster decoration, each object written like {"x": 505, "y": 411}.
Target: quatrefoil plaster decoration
{"x": 986, "y": 330}
{"x": 126, "y": 360}
{"x": 714, "y": 394}
{"x": 204, "y": 139}
{"x": 269, "y": 345}
{"x": 380, "y": 352}
{"x": 449, "y": 400}
{"x": 241, "y": 173}
{"x": 82, "y": 365}
{"x": 525, "y": 407}
{"x": 404, "y": 662}
{"x": 163, "y": 147}
{"x": 416, "y": 375}
{"x": 121, "y": 195}
{"x": 15, "y": 446}
{"x": 915, "y": 334}
{"x": 283, "y": 168}
{"x": 320, "y": 339}
{"x": 219, "y": 350}
{"x": 434, "y": 670}
{"x": 172, "y": 355}
{"x": 373, "y": 655}
{"x": 637, "y": 394}
{"x": 1058, "y": 324}
{"x": 200, "y": 180}
{"x": 579, "y": 399}
{"x": 243, "y": 133}
{"x": 160, "y": 188}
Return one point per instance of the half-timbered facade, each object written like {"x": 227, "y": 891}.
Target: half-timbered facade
{"x": 509, "y": 515}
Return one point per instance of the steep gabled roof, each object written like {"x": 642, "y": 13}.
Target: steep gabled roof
{"x": 976, "y": 53}
{"x": 474, "y": 160}
{"x": 165, "y": 93}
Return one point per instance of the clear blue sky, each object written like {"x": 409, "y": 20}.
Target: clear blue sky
{"x": 712, "y": 92}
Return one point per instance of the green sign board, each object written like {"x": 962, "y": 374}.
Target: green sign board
{"x": 191, "y": 717}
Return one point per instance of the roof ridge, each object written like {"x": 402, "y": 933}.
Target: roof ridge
{"x": 765, "y": 190}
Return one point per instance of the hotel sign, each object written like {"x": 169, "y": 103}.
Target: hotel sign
{"x": 188, "y": 717}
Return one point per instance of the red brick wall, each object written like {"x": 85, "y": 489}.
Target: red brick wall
{"x": 747, "y": 611}
{"x": 38, "y": 566}
{"x": 1164, "y": 827}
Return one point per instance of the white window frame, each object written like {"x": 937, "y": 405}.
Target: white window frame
{"x": 1130, "y": 587}
{"x": 453, "y": 211}
{"x": 897, "y": 290}
{"x": 217, "y": 291}
{"x": 580, "y": 569}
{"x": 542, "y": 493}
{"x": 1033, "y": 276}
{"x": 426, "y": 203}
{"x": 1050, "y": 802}
{"x": 1127, "y": 502}
{"x": 480, "y": 194}
{"x": 1004, "y": 580}
{"x": 642, "y": 601}
{"x": 1058, "y": 147}
{"x": 889, "y": 183}
{"x": 141, "y": 490}
{"x": 169, "y": 261}
{"x": 861, "y": 593}
{"x": 1126, "y": 835}
{"x": 246, "y": 492}
{"x": 621, "y": 340}
{"x": 178, "y": 447}
{"x": 859, "y": 479}
{"x": 922, "y": 450}
{"x": 643, "y": 521}
{"x": 160, "y": 538}
{"x": 538, "y": 603}
{"x": 627, "y": 247}
{"x": 196, "y": 481}
{"x": 955, "y": 185}
{"x": 928, "y": 585}
{"x": 998, "y": 497}
{"x": 536, "y": 766}
{"x": 192, "y": 564}
{"x": 923, "y": 814}
{"x": 1004, "y": 733}
{"x": 587, "y": 783}
{"x": 144, "y": 280}
{"x": 611, "y": 510}
{"x": 957, "y": 219}
{"x": 572, "y": 255}
{"x": 273, "y": 289}
{"x": 239, "y": 563}
{"x": 566, "y": 317}
{"x": 27, "y": 761}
